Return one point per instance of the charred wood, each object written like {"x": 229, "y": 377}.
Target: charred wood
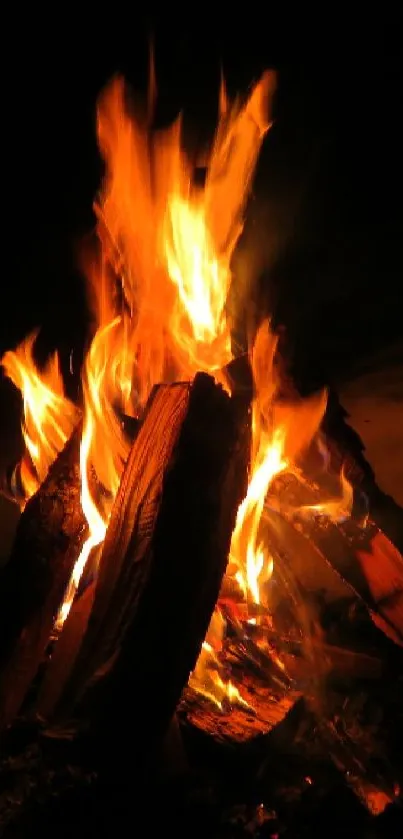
{"x": 65, "y": 653}
{"x": 313, "y": 627}
{"x": 162, "y": 564}
{"x": 49, "y": 537}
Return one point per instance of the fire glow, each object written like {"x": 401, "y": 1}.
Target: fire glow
{"x": 159, "y": 287}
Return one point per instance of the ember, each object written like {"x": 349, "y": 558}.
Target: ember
{"x": 213, "y": 526}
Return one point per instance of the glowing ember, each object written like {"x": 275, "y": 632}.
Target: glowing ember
{"x": 174, "y": 279}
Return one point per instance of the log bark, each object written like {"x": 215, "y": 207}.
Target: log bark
{"x": 161, "y": 567}
{"x": 49, "y": 537}
{"x": 173, "y": 759}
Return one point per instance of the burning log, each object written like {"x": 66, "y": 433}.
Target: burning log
{"x": 162, "y": 564}
{"x": 364, "y": 557}
{"x": 356, "y": 558}
{"x": 49, "y": 537}
{"x": 297, "y": 633}
{"x": 235, "y": 723}
{"x": 370, "y": 565}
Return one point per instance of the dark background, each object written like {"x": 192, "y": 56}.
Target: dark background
{"x": 322, "y": 240}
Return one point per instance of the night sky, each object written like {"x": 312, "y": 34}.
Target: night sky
{"x": 322, "y": 241}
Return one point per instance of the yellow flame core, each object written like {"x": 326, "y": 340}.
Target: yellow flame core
{"x": 168, "y": 246}
{"x": 198, "y": 322}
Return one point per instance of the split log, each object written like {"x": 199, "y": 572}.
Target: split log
{"x": 382, "y": 565}
{"x": 161, "y": 567}
{"x": 263, "y": 701}
{"x": 68, "y": 643}
{"x": 368, "y": 562}
{"x": 313, "y": 597}
{"x": 332, "y": 641}
{"x": 355, "y": 557}
{"x": 49, "y": 537}
{"x": 357, "y": 709}
{"x": 309, "y": 626}
{"x": 366, "y": 559}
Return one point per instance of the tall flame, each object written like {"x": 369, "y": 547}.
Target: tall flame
{"x": 248, "y": 554}
{"x": 103, "y": 442}
{"x": 170, "y": 242}
{"x": 159, "y": 286}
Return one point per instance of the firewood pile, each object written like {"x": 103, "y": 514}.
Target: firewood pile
{"x": 108, "y": 707}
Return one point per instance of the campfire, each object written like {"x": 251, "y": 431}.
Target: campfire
{"x": 194, "y": 549}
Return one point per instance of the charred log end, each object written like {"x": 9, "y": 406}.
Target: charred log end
{"x": 202, "y": 488}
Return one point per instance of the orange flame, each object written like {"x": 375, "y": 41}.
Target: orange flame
{"x": 170, "y": 242}
{"x": 159, "y": 290}
{"x": 49, "y": 417}
{"x": 248, "y": 554}
{"x": 159, "y": 293}
{"x": 103, "y": 443}
{"x": 161, "y": 287}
